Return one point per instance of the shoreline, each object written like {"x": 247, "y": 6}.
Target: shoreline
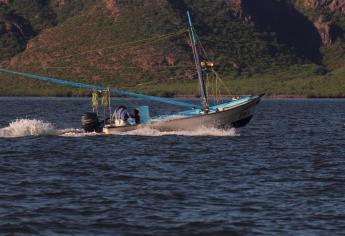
{"x": 193, "y": 96}
{"x": 264, "y": 96}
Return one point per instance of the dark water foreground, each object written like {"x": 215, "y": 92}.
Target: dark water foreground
{"x": 283, "y": 174}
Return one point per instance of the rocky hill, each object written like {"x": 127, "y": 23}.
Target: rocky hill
{"x": 124, "y": 43}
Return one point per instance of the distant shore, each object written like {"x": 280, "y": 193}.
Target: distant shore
{"x": 265, "y": 96}
{"x": 193, "y": 96}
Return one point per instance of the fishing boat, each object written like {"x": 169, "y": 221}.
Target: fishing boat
{"x": 223, "y": 115}
{"x": 235, "y": 113}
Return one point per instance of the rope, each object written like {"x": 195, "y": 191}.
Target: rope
{"x": 217, "y": 75}
{"x": 202, "y": 47}
{"x": 128, "y": 43}
{"x": 221, "y": 80}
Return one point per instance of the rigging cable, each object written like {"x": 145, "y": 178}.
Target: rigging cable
{"x": 215, "y": 72}
{"x": 127, "y": 43}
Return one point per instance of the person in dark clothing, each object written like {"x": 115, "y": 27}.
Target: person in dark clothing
{"x": 136, "y": 116}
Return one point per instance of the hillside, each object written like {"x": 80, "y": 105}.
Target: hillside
{"x": 291, "y": 47}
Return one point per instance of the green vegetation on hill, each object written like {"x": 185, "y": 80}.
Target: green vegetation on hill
{"x": 272, "y": 46}
{"x": 332, "y": 27}
{"x": 20, "y": 21}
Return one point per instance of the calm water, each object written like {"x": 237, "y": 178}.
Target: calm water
{"x": 283, "y": 174}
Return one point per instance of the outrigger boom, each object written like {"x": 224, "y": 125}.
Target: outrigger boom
{"x": 90, "y": 86}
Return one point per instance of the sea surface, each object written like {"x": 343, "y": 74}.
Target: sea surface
{"x": 283, "y": 174}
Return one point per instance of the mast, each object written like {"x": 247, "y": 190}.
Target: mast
{"x": 201, "y": 73}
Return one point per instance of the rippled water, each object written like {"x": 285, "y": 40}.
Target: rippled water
{"x": 282, "y": 174}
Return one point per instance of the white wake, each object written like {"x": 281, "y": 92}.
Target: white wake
{"x": 28, "y": 127}
{"x": 34, "y": 127}
{"x": 202, "y": 131}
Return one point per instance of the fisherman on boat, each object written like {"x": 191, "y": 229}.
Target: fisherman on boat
{"x": 120, "y": 116}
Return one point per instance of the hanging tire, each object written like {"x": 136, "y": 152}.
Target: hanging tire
{"x": 90, "y": 122}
